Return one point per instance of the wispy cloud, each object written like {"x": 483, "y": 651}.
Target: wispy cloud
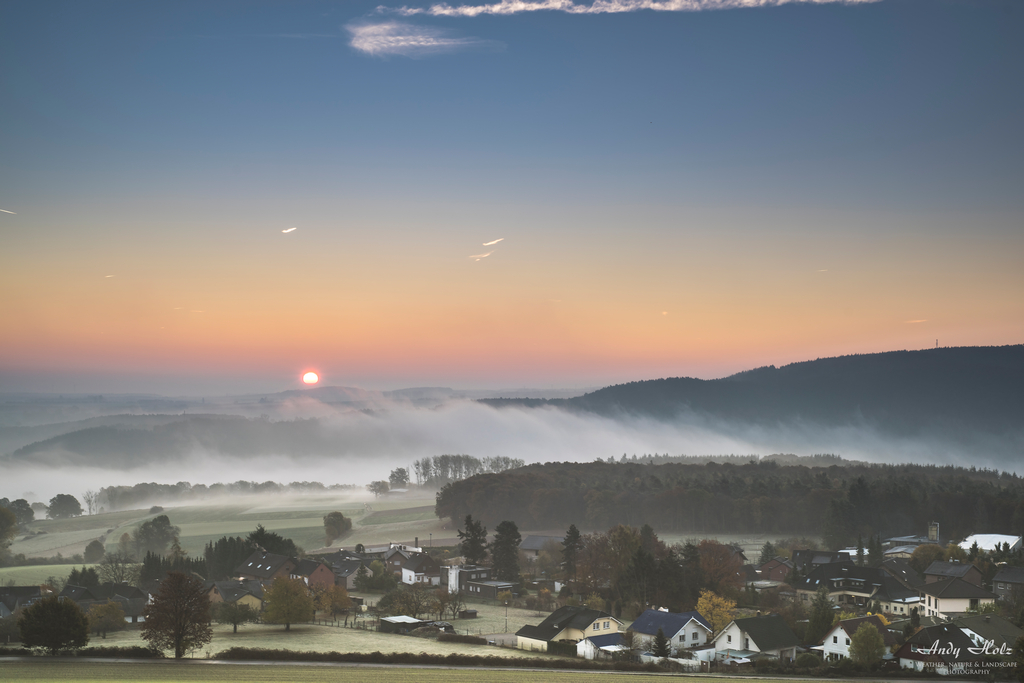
{"x": 598, "y": 6}
{"x": 487, "y": 244}
{"x": 914, "y": 322}
{"x": 398, "y": 38}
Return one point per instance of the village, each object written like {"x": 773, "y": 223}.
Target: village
{"x": 915, "y": 603}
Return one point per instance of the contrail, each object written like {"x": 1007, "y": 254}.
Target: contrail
{"x": 487, "y": 244}
{"x": 289, "y": 229}
{"x": 505, "y": 7}
{"x": 480, "y": 256}
{"x": 6, "y": 211}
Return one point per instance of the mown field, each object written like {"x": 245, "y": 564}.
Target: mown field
{"x": 212, "y": 672}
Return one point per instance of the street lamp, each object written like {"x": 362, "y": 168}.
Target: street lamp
{"x": 506, "y": 616}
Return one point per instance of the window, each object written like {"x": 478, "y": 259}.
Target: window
{"x": 847, "y": 641}
{"x": 596, "y": 626}
{"x": 694, "y": 636}
{"x": 835, "y": 639}
{"x": 607, "y": 624}
{"x": 746, "y": 643}
{"x": 728, "y": 639}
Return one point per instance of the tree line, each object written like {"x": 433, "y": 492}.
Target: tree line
{"x": 442, "y": 469}
{"x": 143, "y": 494}
{"x": 756, "y": 497}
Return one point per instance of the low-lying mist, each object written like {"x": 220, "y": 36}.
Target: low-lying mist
{"x": 352, "y": 446}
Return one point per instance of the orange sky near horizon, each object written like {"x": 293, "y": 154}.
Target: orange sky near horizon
{"x": 543, "y": 310}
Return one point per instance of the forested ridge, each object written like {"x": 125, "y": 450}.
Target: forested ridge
{"x": 838, "y": 502}
{"x": 966, "y": 389}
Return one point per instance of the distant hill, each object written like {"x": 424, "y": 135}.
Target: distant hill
{"x": 900, "y": 392}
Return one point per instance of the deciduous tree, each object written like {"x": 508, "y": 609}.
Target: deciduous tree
{"x": 118, "y": 567}
{"x": 63, "y": 506}
{"x": 53, "y": 625}
{"x": 178, "y": 618}
{"x": 335, "y": 525}
{"x": 717, "y": 610}
{"x": 235, "y": 613}
{"x": 288, "y": 602}
{"x": 378, "y": 488}
{"x": 867, "y": 647}
{"x": 399, "y": 478}
{"x": 94, "y": 551}
{"x": 108, "y": 617}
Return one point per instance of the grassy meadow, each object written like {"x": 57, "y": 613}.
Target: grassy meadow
{"x": 38, "y": 671}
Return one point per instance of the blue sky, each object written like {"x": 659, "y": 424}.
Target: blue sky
{"x": 880, "y": 137}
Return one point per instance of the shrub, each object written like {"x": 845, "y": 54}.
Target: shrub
{"x": 122, "y": 651}
{"x": 808, "y": 660}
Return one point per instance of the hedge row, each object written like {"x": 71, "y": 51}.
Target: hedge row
{"x": 459, "y": 638}
{"x": 259, "y": 653}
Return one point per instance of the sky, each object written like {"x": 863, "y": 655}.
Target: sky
{"x": 680, "y": 188}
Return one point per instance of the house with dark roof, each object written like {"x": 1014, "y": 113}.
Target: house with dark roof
{"x": 951, "y": 597}
{"x": 775, "y": 569}
{"x": 806, "y": 560}
{"x": 131, "y": 599}
{"x": 264, "y": 566}
{"x": 999, "y": 633}
{"x": 600, "y": 647}
{"x": 836, "y": 643}
{"x": 939, "y": 571}
{"x": 313, "y": 573}
{"x": 532, "y": 545}
{"x": 859, "y": 587}
{"x": 13, "y": 597}
{"x": 1007, "y": 580}
{"x": 241, "y": 592}
{"x": 569, "y": 623}
{"x": 421, "y": 570}
{"x": 457, "y": 577}
{"x": 766, "y": 636}
{"x": 683, "y": 629}
{"x": 900, "y": 569}
{"x": 943, "y": 648}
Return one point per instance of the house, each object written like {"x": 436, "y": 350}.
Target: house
{"x": 488, "y": 588}
{"x": 312, "y": 573}
{"x": 13, "y": 597}
{"x": 806, "y": 560}
{"x": 859, "y": 587}
{"x": 264, "y": 566}
{"x": 569, "y": 623}
{"x": 951, "y": 597}
{"x": 683, "y": 630}
{"x": 1007, "y": 580}
{"x": 345, "y": 566}
{"x": 988, "y": 542}
{"x": 937, "y": 571}
{"x": 131, "y": 599}
{"x": 532, "y": 545}
{"x": 600, "y": 647}
{"x": 241, "y": 592}
{"x": 775, "y": 569}
{"x": 943, "y": 648}
{"x": 1000, "y": 634}
{"x": 766, "y": 635}
{"x": 456, "y": 577}
{"x": 421, "y": 570}
{"x": 903, "y": 552}
{"x": 836, "y": 643}
{"x": 901, "y": 570}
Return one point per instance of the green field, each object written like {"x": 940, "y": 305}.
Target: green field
{"x": 35, "y": 575}
{"x": 65, "y": 670}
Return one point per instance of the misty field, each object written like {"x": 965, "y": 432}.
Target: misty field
{"x": 47, "y": 670}
{"x": 317, "y": 638}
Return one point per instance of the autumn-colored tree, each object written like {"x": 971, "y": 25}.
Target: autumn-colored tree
{"x": 720, "y": 566}
{"x": 179, "y": 617}
{"x": 334, "y": 600}
{"x": 235, "y": 613}
{"x": 594, "y": 601}
{"x": 288, "y": 602}
{"x": 717, "y": 610}
{"x": 108, "y": 617}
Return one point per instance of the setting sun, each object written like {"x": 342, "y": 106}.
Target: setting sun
{"x": 311, "y": 378}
